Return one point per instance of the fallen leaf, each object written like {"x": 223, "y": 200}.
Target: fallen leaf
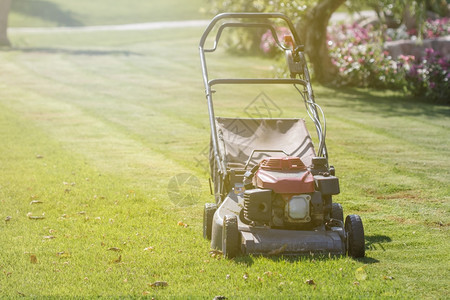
{"x": 125, "y": 280}
{"x": 82, "y": 212}
{"x": 310, "y": 282}
{"x": 148, "y": 249}
{"x": 260, "y": 279}
{"x": 36, "y": 202}
{"x": 278, "y": 251}
{"x": 49, "y": 237}
{"x": 220, "y": 298}
{"x": 114, "y": 249}
{"x": 33, "y": 259}
{"x": 118, "y": 260}
{"x": 145, "y": 293}
{"x": 216, "y": 254}
{"x": 31, "y": 217}
{"x": 38, "y": 156}
{"x": 65, "y": 183}
{"x": 388, "y": 277}
{"x": 63, "y": 254}
{"x": 21, "y": 294}
{"x": 361, "y": 274}
{"x": 7, "y": 219}
{"x": 180, "y": 223}
{"x": 159, "y": 284}
{"x": 268, "y": 273}
{"x": 356, "y": 283}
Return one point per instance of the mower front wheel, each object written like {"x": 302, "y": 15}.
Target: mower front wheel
{"x": 355, "y": 236}
{"x": 230, "y": 237}
{"x": 208, "y": 215}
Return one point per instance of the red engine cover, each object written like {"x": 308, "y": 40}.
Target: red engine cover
{"x": 284, "y": 175}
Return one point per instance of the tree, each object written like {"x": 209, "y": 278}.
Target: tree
{"x": 5, "y": 5}
{"x": 314, "y": 28}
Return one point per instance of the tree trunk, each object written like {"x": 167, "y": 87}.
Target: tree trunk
{"x": 315, "y": 39}
{"x": 5, "y": 5}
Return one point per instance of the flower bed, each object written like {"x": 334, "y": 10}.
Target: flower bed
{"x": 357, "y": 53}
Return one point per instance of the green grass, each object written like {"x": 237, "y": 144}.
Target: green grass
{"x": 31, "y": 13}
{"x": 94, "y": 126}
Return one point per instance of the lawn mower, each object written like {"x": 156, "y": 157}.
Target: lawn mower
{"x": 273, "y": 191}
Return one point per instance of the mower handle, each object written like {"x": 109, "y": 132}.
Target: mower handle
{"x": 249, "y": 16}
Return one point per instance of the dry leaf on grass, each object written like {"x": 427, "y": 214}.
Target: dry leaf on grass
{"x": 36, "y": 202}
{"x": 388, "y": 278}
{"x": 33, "y": 259}
{"x": 148, "y": 249}
{"x": 159, "y": 284}
{"x": 63, "y": 254}
{"x": 31, "y": 217}
{"x": 118, "y": 260}
{"x": 216, "y": 254}
{"x": 180, "y": 223}
{"x": 310, "y": 282}
{"x": 7, "y": 219}
{"x": 49, "y": 237}
{"x": 114, "y": 249}
{"x": 361, "y": 274}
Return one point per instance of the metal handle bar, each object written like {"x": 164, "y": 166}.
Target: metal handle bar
{"x": 256, "y": 81}
{"x": 246, "y": 25}
{"x": 249, "y": 16}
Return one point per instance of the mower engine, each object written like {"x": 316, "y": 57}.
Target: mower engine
{"x": 285, "y": 194}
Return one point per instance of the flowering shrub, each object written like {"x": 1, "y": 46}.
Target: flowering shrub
{"x": 429, "y": 77}
{"x": 431, "y": 29}
{"x": 356, "y": 52}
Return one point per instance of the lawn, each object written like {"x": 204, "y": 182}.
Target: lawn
{"x": 31, "y": 13}
{"x": 95, "y": 126}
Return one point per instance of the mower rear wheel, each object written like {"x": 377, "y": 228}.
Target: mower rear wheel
{"x": 230, "y": 237}
{"x": 355, "y": 236}
{"x": 337, "y": 212}
{"x": 208, "y": 215}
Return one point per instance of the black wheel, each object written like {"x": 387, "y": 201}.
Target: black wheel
{"x": 208, "y": 214}
{"x": 337, "y": 212}
{"x": 355, "y": 236}
{"x": 230, "y": 237}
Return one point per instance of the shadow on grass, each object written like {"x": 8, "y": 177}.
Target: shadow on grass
{"x": 75, "y": 51}
{"x": 373, "y": 242}
{"x": 390, "y": 104}
{"x": 45, "y": 10}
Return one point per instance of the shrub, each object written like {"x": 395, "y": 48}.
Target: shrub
{"x": 428, "y": 77}
{"x": 356, "y": 52}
